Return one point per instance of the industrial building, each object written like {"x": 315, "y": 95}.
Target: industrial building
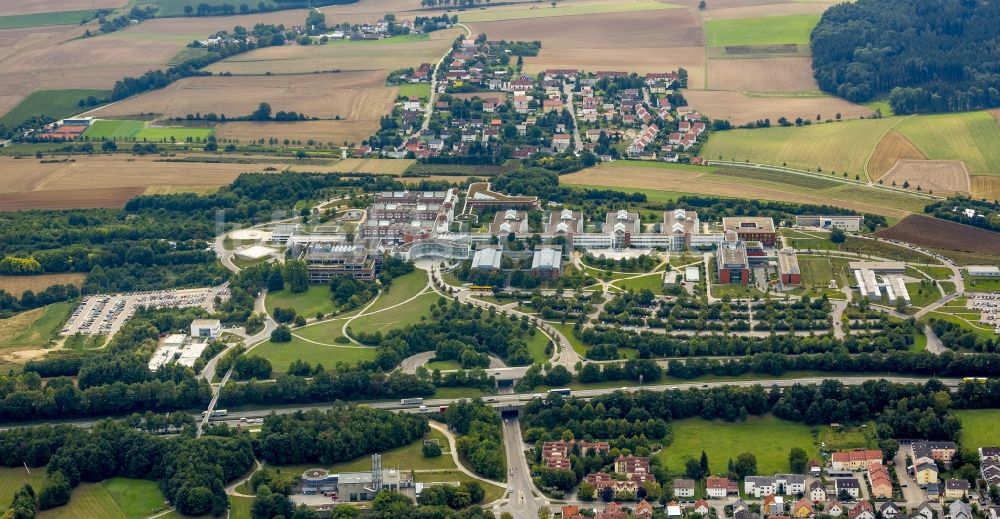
{"x": 358, "y": 486}
{"x": 752, "y": 228}
{"x": 788, "y": 267}
{"x": 206, "y": 328}
{"x": 324, "y": 261}
{"x": 177, "y": 348}
{"x": 844, "y": 223}
{"x": 732, "y": 263}
{"x": 983, "y": 271}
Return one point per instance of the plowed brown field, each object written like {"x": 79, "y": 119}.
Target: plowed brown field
{"x": 761, "y": 74}
{"x": 942, "y": 234}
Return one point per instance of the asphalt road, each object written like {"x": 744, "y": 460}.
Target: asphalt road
{"x": 523, "y": 499}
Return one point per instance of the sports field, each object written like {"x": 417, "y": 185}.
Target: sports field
{"x": 766, "y": 30}
{"x": 42, "y": 19}
{"x": 979, "y": 428}
{"x": 544, "y": 10}
{"x": 114, "y": 129}
{"x": 172, "y": 134}
{"x": 723, "y": 440}
{"x": 316, "y": 299}
{"x": 50, "y": 103}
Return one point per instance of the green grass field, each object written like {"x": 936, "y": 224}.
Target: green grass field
{"x": 536, "y": 346}
{"x": 56, "y": 104}
{"x": 846, "y": 437}
{"x": 839, "y": 147}
{"x": 768, "y": 30}
{"x": 401, "y": 289}
{"x": 922, "y": 295}
{"x": 545, "y": 10}
{"x": 176, "y": 7}
{"x": 239, "y": 507}
{"x": 981, "y": 284}
{"x": 971, "y": 137}
{"x": 979, "y": 428}
{"x": 170, "y": 134}
{"x": 652, "y": 282}
{"x": 724, "y": 440}
{"x": 136, "y": 497}
{"x": 316, "y": 299}
{"x": 43, "y": 19}
{"x": 398, "y": 317}
{"x": 282, "y": 354}
{"x": 12, "y": 479}
{"x": 818, "y": 270}
{"x": 493, "y": 492}
{"x": 44, "y": 328}
{"x": 408, "y": 457}
{"x": 113, "y": 129}
{"x": 114, "y": 498}
{"x": 421, "y": 90}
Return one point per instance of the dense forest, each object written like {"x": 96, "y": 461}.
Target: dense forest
{"x": 928, "y": 56}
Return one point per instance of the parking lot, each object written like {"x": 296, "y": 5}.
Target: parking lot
{"x": 104, "y": 314}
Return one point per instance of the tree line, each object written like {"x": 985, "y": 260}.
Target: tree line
{"x": 928, "y": 56}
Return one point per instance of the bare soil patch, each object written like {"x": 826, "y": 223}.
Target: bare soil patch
{"x": 336, "y": 132}
{"x": 741, "y": 108}
{"x": 762, "y": 75}
{"x": 939, "y": 176}
{"x": 759, "y": 10}
{"x": 942, "y": 234}
{"x": 986, "y": 187}
{"x": 893, "y": 147}
{"x": 69, "y": 198}
{"x": 352, "y": 95}
{"x": 18, "y": 284}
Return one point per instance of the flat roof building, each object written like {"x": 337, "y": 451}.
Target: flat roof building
{"x": 752, "y": 228}
{"x": 845, "y": 223}
{"x": 879, "y": 267}
{"x": 732, "y": 264}
{"x": 692, "y": 274}
{"x": 487, "y": 258}
{"x": 282, "y": 232}
{"x": 983, "y": 271}
{"x": 324, "y": 261}
{"x": 206, "y": 328}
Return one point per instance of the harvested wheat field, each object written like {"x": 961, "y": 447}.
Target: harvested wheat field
{"x": 942, "y": 234}
{"x": 940, "y": 176}
{"x": 102, "y": 181}
{"x": 760, "y": 10}
{"x": 762, "y": 74}
{"x": 384, "y": 55}
{"x": 746, "y": 184}
{"x": 351, "y": 95}
{"x": 376, "y": 166}
{"x": 648, "y": 41}
{"x": 984, "y": 187}
{"x": 18, "y": 284}
{"x": 330, "y": 132}
{"x": 891, "y": 148}
{"x": 13, "y": 7}
{"x": 740, "y": 108}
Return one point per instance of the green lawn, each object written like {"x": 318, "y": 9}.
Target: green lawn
{"x": 922, "y": 295}
{"x": 282, "y": 354}
{"x": 408, "y": 457}
{"x": 493, "y": 492}
{"x": 401, "y": 289}
{"x": 43, "y": 19}
{"x": 421, "y": 90}
{"x": 316, "y": 299}
{"x": 398, "y": 317}
{"x": 845, "y": 437}
{"x": 567, "y": 330}
{"x": 239, "y": 507}
{"x": 723, "y": 440}
{"x": 45, "y": 327}
{"x": 56, "y": 104}
{"x": 113, "y": 129}
{"x": 979, "y": 428}
{"x": 171, "y": 134}
{"x": 536, "y": 346}
{"x": 981, "y": 284}
{"x": 982, "y": 331}
{"x": 12, "y": 479}
{"x": 136, "y": 497}
{"x": 819, "y": 270}
{"x": 444, "y": 365}
{"x": 652, "y": 282}
{"x": 971, "y": 137}
{"x": 768, "y": 30}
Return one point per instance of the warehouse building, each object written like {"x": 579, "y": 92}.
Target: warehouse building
{"x": 983, "y": 271}
{"x": 844, "y": 223}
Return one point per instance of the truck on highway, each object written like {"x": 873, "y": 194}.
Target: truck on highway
{"x": 216, "y": 413}
{"x": 563, "y": 391}
{"x": 411, "y": 401}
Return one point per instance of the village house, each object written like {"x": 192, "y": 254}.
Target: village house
{"x": 817, "y": 491}
{"x": 941, "y": 452}
{"x": 878, "y": 478}
{"x": 862, "y": 510}
{"x": 956, "y": 488}
{"x": 684, "y": 487}
{"x": 857, "y": 459}
{"x": 888, "y": 509}
{"x": 835, "y": 508}
{"x": 959, "y": 510}
{"x": 925, "y": 472}
{"x": 848, "y": 485}
{"x": 719, "y": 488}
{"x": 701, "y": 507}
{"x": 772, "y": 505}
{"x": 643, "y": 509}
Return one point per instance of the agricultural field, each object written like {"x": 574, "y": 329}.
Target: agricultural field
{"x": 741, "y": 107}
{"x": 18, "y": 284}
{"x": 941, "y": 177}
{"x": 172, "y": 134}
{"x": 986, "y": 187}
{"x": 633, "y": 41}
{"x": 24, "y": 336}
{"x": 13, "y": 478}
{"x": 564, "y": 9}
{"x": 723, "y": 440}
{"x": 768, "y": 74}
{"x": 114, "y": 129}
{"x": 889, "y": 150}
{"x": 766, "y": 30}
{"x": 52, "y": 6}
{"x": 972, "y": 137}
{"x": 84, "y": 183}
{"x": 730, "y": 182}
{"x": 942, "y": 234}
{"x": 19, "y": 21}
{"x": 50, "y": 103}
{"x": 831, "y": 146}
{"x": 979, "y": 427}
{"x": 330, "y": 132}
{"x": 375, "y": 166}
{"x": 349, "y": 96}
{"x": 384, "y": 55}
